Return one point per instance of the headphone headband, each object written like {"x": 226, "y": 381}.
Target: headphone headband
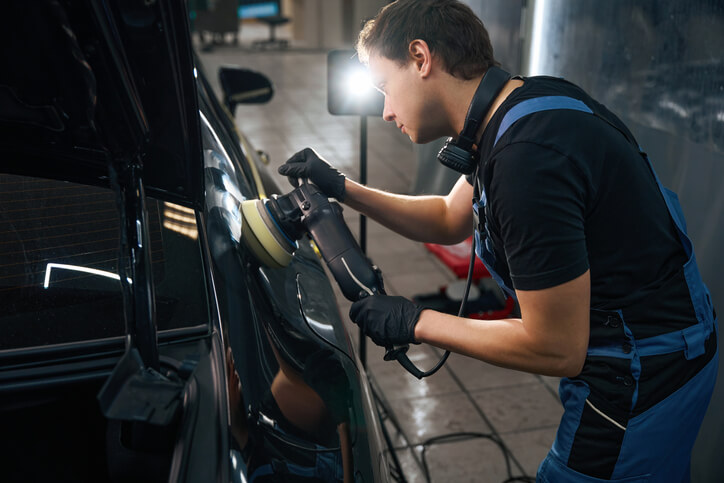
{"x": 459, "y": 154}
{"x": 490, "y": 86}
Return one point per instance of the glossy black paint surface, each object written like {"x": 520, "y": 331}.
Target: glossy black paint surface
{"x": 276, "y": 317}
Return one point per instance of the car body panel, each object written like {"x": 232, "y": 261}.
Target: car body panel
{"x": 121, "y": 88}
{"x": 181, "y": 170}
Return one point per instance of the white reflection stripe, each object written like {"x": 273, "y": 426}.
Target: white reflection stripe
{"x": 363, "y": 286}
{"x": 607, "y": 418}
{"x": 76, "y": 268}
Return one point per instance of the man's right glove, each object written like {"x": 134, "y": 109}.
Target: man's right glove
{"x": 308, "y": 164}
{"x": 386, "y": 319}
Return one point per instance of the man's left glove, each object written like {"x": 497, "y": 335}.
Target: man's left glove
{"x": 310, "y": 165}
{"x": 386, "y": 319}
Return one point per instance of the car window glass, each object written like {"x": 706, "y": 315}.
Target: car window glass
{"x": 59, "y": 279}
{"x": 218, "y": 119}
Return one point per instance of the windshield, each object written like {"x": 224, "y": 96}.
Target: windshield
{"x": 59, "y": 279}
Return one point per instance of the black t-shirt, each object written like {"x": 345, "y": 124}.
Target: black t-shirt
{"x": 568, "y": 192}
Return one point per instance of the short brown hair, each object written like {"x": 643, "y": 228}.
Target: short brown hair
{"x": 452, "y": 31}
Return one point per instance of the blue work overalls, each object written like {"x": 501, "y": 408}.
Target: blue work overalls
{"x": 655, "y": 445}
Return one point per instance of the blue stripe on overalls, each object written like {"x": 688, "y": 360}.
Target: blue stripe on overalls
{"x": 648, "y": 452}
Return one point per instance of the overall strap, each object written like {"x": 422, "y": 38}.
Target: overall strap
{"x": 538, "y": 104}
{"x": 549, "y": 103}
{"x": 482, "y": 244}
{"x": 691, "y": 340}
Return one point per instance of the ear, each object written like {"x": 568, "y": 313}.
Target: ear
{"x": 421, "y": 56}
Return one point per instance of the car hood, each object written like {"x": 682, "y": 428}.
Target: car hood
{"x": 88, "y": 83}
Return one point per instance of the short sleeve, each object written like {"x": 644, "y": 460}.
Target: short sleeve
{"x": 537, "y": 202}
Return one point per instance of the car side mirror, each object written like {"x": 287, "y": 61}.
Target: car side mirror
{"x": 244, "y": 86}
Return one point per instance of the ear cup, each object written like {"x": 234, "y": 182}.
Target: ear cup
{"x": 262, "y": 236}
{"x": 460, "y": 154}
{"x": 457, "y": 158}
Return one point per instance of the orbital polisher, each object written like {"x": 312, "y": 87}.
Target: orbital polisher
{"x": 272, "y": 226}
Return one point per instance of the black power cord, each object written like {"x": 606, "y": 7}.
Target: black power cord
{"x": 463, "y": 436}
{"x": 396, "y": 472}
{"x": 463, "y": 302}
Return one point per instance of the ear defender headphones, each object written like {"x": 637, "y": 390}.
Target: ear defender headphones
{"x": 458, "y": 154}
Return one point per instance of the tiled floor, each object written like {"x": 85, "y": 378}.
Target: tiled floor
{"x": 521, "y": 410}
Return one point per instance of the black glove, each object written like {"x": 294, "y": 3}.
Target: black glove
{"x": 387, "y": 320}
{"x": 308, "y": 164}
{"x": 324, "y": 374}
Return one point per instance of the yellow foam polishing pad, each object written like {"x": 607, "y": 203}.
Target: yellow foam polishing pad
{"x": 259, "y": 238}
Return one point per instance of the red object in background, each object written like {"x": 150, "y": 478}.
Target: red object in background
{"x": 457, "y": 258}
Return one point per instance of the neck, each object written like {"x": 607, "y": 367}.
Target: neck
{"x": 462, "y": 96}
{"x": 508, "y": 88}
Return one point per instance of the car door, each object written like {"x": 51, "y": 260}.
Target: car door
{"x": 274, "y": 320}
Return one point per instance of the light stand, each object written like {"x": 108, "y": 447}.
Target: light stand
{"x": 343, "y": 71}
{"x": 363, "y": 220}
{"x": 350, "y": 92}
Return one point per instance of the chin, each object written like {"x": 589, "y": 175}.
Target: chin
{"x": 419, "y": 139}
{"x": 411, "y": 135}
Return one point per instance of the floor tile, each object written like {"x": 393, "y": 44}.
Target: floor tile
{"x": 530, "y": 447}
{"x": 410, "y": 466}
{"x": 423, "y": 418}
{"x": 396, "y": 256}
{"x": 413, "y": 263}
{"x": 473, "y": 460}
{"x": 375, "y": 354}
{"x": 398, "y": 437}
{"x": 397, "y": 383}
{"x": 422, "y": 282}
{"x": 551, "y": 382}
{"x": 518, "y": 408}
{"x": 479, "y": 375}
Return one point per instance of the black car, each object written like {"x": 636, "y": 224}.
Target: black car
{"x": 139, "y": 338}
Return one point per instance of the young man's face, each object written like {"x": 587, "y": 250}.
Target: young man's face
{"x": 408, "y": 103}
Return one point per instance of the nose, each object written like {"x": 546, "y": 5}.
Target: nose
{"x": 387, "y": 113}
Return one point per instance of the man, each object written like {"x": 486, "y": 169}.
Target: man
{"x": 571, "y": 219}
